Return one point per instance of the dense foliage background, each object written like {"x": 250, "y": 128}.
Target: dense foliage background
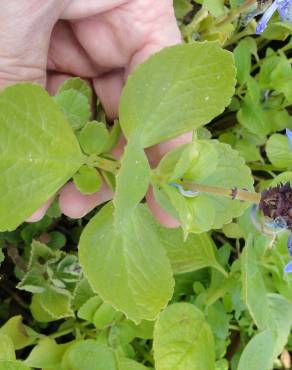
{"x": 231, "y": 307}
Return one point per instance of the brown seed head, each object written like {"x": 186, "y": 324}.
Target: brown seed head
{"x": 276, "y": 203}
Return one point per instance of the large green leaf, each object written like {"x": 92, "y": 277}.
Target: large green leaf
{"x": 183, "y": 339}
{"x": 194, "y": 253}
{"x": 258, "y": 354}
{"x": 130, "y": 269}
{"x": 38, "y": 152}
{"x": 179, "y": 89}
{"x": 132, "y": 181}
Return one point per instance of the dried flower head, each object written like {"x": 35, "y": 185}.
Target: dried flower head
{"x": 276, "y": 204}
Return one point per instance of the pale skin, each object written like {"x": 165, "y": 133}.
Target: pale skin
{"x": 45, "y": 41}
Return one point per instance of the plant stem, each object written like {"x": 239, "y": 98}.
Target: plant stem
{"x": 236, "y": 12}
{"x": 108, "y": 165}
{"x": 235, "y": 193}
{"x": 264, "y": 167}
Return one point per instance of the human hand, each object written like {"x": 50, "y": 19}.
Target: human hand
{"x": 105, "y": 45}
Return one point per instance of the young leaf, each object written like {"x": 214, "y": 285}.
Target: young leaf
{"x": 46, "y": 354}
{"x": 181, "y": 8}
{"x": 179, "y": 89}
{"x": 258, "y": 354}
{"x": 21, "y": 335}
{"x": 75, "y": 106}
{"x": 52, "y": 304}
{"x": 242, "y": 55}
{"x": 194, "y": 253}
{"x": 88, "y": 354}
{"x": 129, "y": 269}
{"x": 87, "y": 180}
{"x": 76, "y": 83}
{"x": 88, "y": 309}
{"x": 132, "y": 182}
{"x": 39, "y": 152}
{"x": 183, "y": 339}
{"x": 278, "y": 151}
{"x": 94, "y": 138}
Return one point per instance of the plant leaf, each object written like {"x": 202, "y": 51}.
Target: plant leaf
{"x": 75, "y": 107}
{"x": 52, "y": 304}
{"x": 88, "y": 354}
{"x": 87, "y": 180}
{"x": 13, "y": 365}
{"x": 258, "y": 354}
{"x": 179, "y": 89}
{"x": 7, "y": 348}
{"x": 94, "y": 138}
{"x": 39, "y": 152}
{"x": 194, "y": 253}
{"x": 129, "y": 270}
{"x": 79, "y": 85}
{"x": 183, "y": 339}
{"x": 278, "y": 151}
{"x": 132, "y": 182}
{"x": 253, "y": 286}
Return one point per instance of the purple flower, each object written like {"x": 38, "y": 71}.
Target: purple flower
{"x": 289, "y": 136}
{"x": 284, "y": 8}
{"x": 288, "y": 267}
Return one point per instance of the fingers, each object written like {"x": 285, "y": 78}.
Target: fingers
{"x": 25, "y": 29}
{"x": 54, "y": 80}
{"x": 163, "y": 33}
{"x": 164, "y": 218}
{"x": 39, "y": 214}
{"x": 108, "y": 89}
{"x": 76, "y": 205}
{"x": 78, "y": 9}
{"x": 66, "y": 55}
{"x": 156, "y": 152}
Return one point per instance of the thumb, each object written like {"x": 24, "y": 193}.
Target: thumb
{"x": 25, "y": 30}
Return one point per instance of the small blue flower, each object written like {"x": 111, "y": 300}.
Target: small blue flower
{"x": 288, "y": 267}
{"x": 289, "y": 136}
{"x": 284, "y": 8}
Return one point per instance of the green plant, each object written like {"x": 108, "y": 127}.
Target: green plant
{"x": 209, "y": 295}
